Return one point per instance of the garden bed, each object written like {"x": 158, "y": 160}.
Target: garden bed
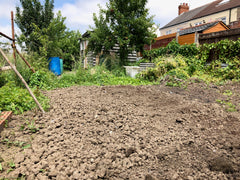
{"x": 128, "y": 132}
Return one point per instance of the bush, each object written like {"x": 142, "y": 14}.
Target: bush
{"x": 173, "y": 48}
{"x": 18, "y": 100}
{"x": 43, "y": 79}
{"x": 173, "y": 65}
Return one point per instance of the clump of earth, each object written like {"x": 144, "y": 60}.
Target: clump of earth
{"x": 127, "y": 132}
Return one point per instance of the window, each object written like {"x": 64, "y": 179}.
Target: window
{"x": 168, "y": 32}
{"x": 198, "y": 23}
{"x": 223, "y": 19}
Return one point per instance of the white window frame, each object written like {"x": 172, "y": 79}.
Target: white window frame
{"x": 223, "y": 19}
{"x": 168, "y": 32}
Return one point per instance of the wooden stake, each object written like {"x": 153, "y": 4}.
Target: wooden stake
{"x": 4, "y": 35}
{"x": 13, "y": 37}
{"x": 25, "y": 61}
{"x": 24, "y": 82}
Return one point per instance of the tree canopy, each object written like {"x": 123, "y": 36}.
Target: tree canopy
{"x": 46, "y": 35}
{"x": 123, "y": 22}
{"x": 31, "y": 13}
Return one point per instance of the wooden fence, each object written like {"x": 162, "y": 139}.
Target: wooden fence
{"x": 199, "y": 38}
{"x": 232, "y": 34}
{"x": 161, "y": 41}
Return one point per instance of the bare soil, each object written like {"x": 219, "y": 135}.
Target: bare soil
{"x": 127, "y": 132}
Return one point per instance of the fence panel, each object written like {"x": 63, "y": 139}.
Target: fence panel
{"x": 232, "y": 34}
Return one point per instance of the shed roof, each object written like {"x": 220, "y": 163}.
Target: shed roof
{"x": 200, "y": 28}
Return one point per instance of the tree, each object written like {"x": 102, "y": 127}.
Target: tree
{"x": 57, "y": 40}
{"x": 46, "y": 35}
{"x": 124, "y": 22}
{"x": 32, "y": 13}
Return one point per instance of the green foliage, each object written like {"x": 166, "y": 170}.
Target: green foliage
{"x": 99, "y": 75}
{"x": 175, "y": 66}
{"x": 18, "y": 100}
{"x": 10, "y": 143}
{"x": 222, "y": 50}
{"x": 205, "y": 62}
{"x": 126, "y": 23}
{"x": 231, "y": 72}
{"x": 230, "y": 107}
{"x": 70, "y": 48}
{"x": 31, "y": 126}
{"x": 173, "y": 48}
{"x": 46, "y": 36}
{"x": 42, "y": 79}
{"x": 33, "y": 13}
{"x": 11, "y": 164}
{"x": 57, "y": 41}
{"x": 227, "y": 93}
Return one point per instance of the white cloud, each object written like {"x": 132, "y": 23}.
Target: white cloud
{"x": 6, "y": 6}
{"x": 6, "y": 30}
{"x": 80, "y": 13}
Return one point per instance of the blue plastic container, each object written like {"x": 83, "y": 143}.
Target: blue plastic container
{"x": 55, "y": 65}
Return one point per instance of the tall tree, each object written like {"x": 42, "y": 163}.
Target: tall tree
{"x": 124, "y": 22}
{"x": 33, "y": 12}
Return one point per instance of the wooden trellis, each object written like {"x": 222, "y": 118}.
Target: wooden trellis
{"x": 11, "y": 66}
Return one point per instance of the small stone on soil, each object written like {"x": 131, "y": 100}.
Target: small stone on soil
{"x": 221, "y": 164}
{"x": 19, "y": 158}
{"x": 149, "y": 177}
{"x": 1, "y": 159}
{"x": 130, "y": 151}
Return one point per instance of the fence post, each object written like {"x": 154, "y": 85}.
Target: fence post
{"x": 197, "y": 38}
{"x": 177, "y": 35}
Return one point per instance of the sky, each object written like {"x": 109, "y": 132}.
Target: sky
{"x": 79, "y": 13}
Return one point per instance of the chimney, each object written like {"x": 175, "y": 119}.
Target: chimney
{"x": 183, "y": 7}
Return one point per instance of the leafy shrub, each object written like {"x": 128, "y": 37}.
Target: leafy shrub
{"x": 179, "y": 73}
{"x": 18, "y": 100}
{"x": 222, "y": 50}
{"x": 43, "y": 79}
{"x": 173, "y": 48}
{"x": 173, "y": 65}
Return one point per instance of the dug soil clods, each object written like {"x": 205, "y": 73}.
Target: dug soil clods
{"x": 127, "y": 132}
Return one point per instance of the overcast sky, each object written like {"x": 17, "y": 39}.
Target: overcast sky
{"x": 79, "y": 12}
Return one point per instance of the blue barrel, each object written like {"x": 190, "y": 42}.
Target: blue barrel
{"x": 61, "y": 65}
{"x": 55, "y": 65}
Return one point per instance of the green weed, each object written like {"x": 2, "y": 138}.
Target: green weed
{"x": 13, "y": 143}
{"x": 228, "y": 93}
{"x": 230, "y": 107}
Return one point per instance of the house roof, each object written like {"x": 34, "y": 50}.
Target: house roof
{"x": 208, "y": 9}
{"x": 187, "y": 16}
{"x": 200, "y": 28}
{"x": 86, "y": 34}
{"x": 217, "y": 6}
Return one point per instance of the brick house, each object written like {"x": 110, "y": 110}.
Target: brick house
{"x": 227, "y": 11}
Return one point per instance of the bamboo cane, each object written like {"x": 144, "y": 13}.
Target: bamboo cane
{"x": 24, "y": 82}
{"x": 13, "y": 37}
{"x": 25, "y": 61}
